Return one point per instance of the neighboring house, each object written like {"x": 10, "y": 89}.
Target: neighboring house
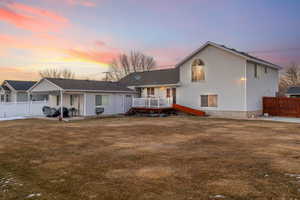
{"x": 216, "y": 79}
{"x": 85, "y": 95}
{"x": 15, "y": 91}
{"x": 293, "y": 91}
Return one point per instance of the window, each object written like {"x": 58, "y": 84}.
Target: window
{"x": 266, "y": 69}
{"x": 198, "y": 73}
{"x": 58, "y": 100}
{"x": 255, "y": 71}
{"x": 101, "y": 100}
{"x": 150, "y": 92}
{"x": 168, "y": 92}
{"x": 209, "y": 100}
{"x": 71, "y": 100}
{"x": 7, "y": 98}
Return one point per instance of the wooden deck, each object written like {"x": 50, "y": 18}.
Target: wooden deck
{"x": 151, "y": 110}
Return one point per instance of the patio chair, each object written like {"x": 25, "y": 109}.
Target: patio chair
{"x": 73, "y": 112}
{"x": 46, "y": 110}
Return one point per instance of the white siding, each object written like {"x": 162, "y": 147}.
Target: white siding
{"x": 115, "y": 106}
{"x": 223, "y": 77}
{"x": 265, "y": 85}
{"x": 45, "y": 86}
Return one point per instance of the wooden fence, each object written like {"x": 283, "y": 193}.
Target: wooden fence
{"x": 281, "y": 106}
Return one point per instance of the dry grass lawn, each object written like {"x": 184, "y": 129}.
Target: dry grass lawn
{"x": 149, "y": 158}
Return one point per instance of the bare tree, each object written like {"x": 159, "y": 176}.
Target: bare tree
{"x": 289, "y": 77}
{"x": 57, "y": 73}
{"x": 126, "y": 64}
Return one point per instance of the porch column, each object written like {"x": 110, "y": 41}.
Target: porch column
{"x": 61, "y": 105}
{"x": 29, "y": 102}
{"x": 84, "y": 104}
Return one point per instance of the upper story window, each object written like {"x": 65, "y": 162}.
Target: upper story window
{"x": 198, "y": 73}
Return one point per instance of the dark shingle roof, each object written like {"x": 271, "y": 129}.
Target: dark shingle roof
{"x": 156, "y": 77}
{"x": 20, "y": 85}
{"x": 293, "y": 90}
{"x": 240, "y": 53}
{"x": 75, "y": 84}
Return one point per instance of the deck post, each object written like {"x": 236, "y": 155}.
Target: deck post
{"x": 133, "y": 102}
{"x": 149, "y": 103}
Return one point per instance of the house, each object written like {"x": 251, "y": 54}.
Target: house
{"x": 15, "y": 91}
{"x": 216, "y": 79}
{"x": 293, "y": 91}
{"x": 85, "y": 95}
{"x": 157, "y": 83}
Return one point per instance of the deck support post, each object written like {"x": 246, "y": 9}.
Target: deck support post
{"x": 149, "y": 102}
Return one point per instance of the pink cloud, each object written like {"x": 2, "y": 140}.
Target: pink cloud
{"x": 32, "y": 18}
{"x": 86, "y": 3}
{"x": 99, "y": 56}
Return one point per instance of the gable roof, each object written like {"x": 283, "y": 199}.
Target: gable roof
{"x": 88, "y": 85}
{"x": 155, "y": 77}
{"x": 18, "y": 85}
{"x": 293, "y": 90}
{"x": 230, "y": 50}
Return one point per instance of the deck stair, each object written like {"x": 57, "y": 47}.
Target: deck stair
{"x": 188, "y": 110}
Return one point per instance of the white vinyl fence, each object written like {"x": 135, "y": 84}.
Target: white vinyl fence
{"x": 22, "y": 109}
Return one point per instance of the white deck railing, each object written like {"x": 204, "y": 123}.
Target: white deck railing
{"x": 152, "y": 102}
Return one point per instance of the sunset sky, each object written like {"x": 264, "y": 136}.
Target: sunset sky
{"x": 84, "y": 35}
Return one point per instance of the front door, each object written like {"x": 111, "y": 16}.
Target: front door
{"x": 174, "y": 95}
